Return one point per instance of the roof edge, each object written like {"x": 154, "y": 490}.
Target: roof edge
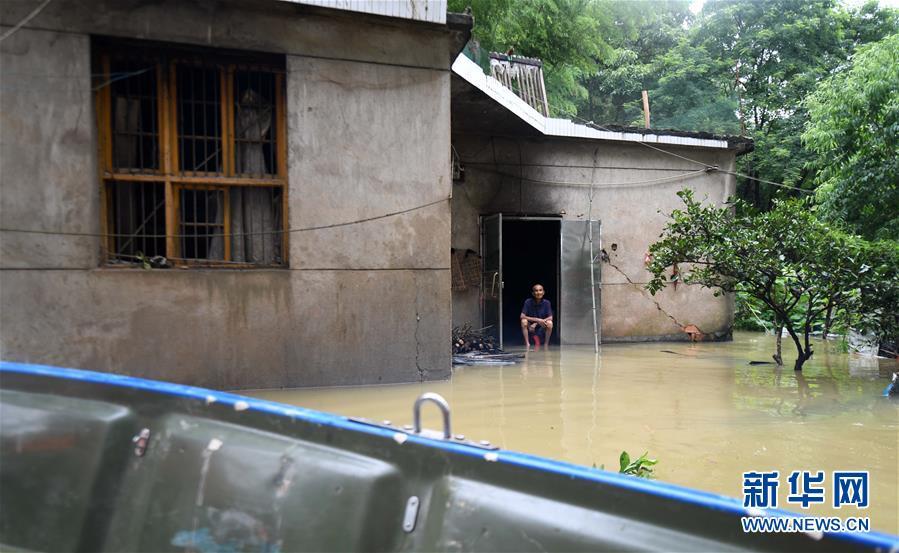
{"x": 554, "y": 127}
{"x": 741, "y": 144}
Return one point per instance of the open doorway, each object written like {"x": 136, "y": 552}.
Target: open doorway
{"x": 517, "y": 252}
{"x": 530, "y": 251}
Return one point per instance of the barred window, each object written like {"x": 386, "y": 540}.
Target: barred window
{"x": 192, "y": 155}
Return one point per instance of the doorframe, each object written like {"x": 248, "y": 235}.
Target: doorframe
{"x": 502, "y": 219}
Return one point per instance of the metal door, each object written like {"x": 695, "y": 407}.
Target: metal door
{"x": 492, "y": 275}
{"x": 580, "y": 283}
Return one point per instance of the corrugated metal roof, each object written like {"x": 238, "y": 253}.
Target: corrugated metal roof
{"x": 433, "y": 11}
{"x": 472, "y": 73}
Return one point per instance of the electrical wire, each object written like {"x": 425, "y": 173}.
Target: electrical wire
{"x": 219, "y": 235}
{"x": 604, "y": 185}
{"x": 27, "y": 18}
{"x": 596, "y": 126}
{"x": 120, "y": 77}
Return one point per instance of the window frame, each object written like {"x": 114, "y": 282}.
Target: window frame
{"x": 165, "y": 63}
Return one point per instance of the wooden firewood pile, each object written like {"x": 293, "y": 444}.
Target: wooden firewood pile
{"x": 466, "y": 339}
{"x": 477, "y": 347}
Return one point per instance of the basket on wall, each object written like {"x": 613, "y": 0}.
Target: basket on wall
{"x": 466, "y": 269}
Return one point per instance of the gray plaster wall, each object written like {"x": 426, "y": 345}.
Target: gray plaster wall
{"x": 497, "y": 173}
{"x": 360, "y": 304}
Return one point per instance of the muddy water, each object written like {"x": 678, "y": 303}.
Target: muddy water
{"x": 702, "y": 411}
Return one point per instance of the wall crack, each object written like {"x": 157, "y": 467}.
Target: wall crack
{"x": 421, "y": 372}
{"x": 645, "y": 294}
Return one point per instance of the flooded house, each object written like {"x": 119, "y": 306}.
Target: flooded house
{"x": 238, "y": 194}
{"x": 575, "y": 207}
{"x": 261, "y": 194}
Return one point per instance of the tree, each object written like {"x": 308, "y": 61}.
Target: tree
{"x": 854, "y": 134}
{"x": 872, "y": 308}
{"x": 643, "y": 32}
{"x": 786, "y": 258}
{"x": 567, "y": 35}
{"x": 690, "y": 93}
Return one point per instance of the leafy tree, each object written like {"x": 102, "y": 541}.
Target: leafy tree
{"x": 567, "y": 35}
{"x": 872, "y": 308}
{"x": 643, "y": 31}
{"x": 690, "y": 93}
{"x": 786, "y": 258}
{"x": 854, "y": 133}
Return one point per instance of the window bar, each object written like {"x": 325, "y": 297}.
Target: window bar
{"x": 251, "y": 230}
{"x": 217, "y": 123}
{"x": 207, "y": 219}
{"x": 181, "y": 126}
{"x": 143, "y": 209}
{"x": 193, "y": 122}
{"x": 226, "y": 229}
{"x": 203, "y": 103}
{"x": 270, "y": 100}
{"x": 262, "y": 234}
{"x": 223, "y": 110}
{"x": 154, "y": 128}
{"x": 194, "y": 221}
{"x": 103, "y": 113}
{"x": 229, "y": 101}
{"x": 239, "y": 162}
{"x": 139, "y": 131}
{"x": 168, "y": 113}
{"x": 272, "y": 237}
{"x": 131, "y": 218}
{"x": 181, "y": 194}
{"x": 215, "y": 112}
{"x": 262, "y": 101}
{"x": 280, "y": 128}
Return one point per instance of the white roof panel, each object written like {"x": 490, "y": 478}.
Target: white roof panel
{"x": 433, "y": 11}
{"x": 472, "y": 73}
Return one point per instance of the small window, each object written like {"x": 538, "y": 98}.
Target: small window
{"x": 192, "y": 155}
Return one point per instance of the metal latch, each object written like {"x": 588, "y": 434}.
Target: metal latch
{"x": 411, "y": 514}
{"x": 415, "y": 429}
{"x": 141, "y": 441}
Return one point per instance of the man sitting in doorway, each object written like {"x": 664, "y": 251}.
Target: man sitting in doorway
{"x": 537, "y": 318}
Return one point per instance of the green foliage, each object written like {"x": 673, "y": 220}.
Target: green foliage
{"x": 854, "y": 132}
{"x": 690, "y": 95}
{"x": 751, "y": 313}
{"x": 568, "y": 35}
{"x": 643, "y": 31}
{"x": 770, "y": 69}
{"x": 640, "y": 467}
{"x": 777, "y": 51}
{"x": 755, "y": 58}
{"x": 872, "y": 308}
{"x": 786, "y": 259}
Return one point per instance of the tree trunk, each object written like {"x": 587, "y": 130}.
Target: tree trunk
{"x": 828, "y": 319}
{"x": 779, "y": 330}
{"x": 803, "y": 357}
{"x": 804, "y": 353}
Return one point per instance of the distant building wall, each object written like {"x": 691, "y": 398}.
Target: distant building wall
{"x": 632, "y": 218}
{"x": 359, "y": 304}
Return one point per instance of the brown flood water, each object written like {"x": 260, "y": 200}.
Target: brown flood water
{"x": 702, "y": 411}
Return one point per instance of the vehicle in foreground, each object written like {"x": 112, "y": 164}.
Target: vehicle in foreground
{"x": 101, "y": 462}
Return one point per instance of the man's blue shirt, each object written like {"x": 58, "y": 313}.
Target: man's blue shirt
{"x": 540, "y": 310}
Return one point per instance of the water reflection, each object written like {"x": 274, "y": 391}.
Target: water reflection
{"x": 701, "y": 409}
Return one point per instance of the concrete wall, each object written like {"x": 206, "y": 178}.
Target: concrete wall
{"x": 632, "y": 217}
{"x": 364, "y": 303}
